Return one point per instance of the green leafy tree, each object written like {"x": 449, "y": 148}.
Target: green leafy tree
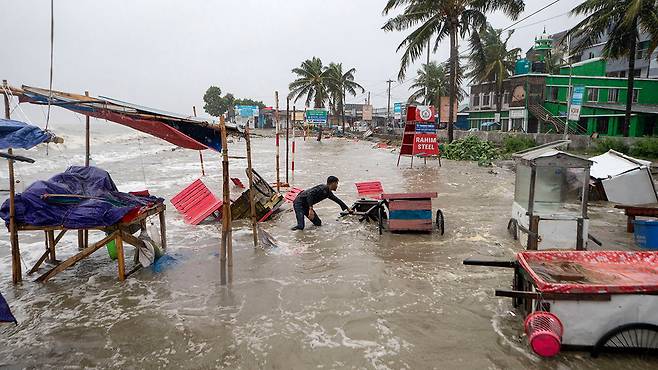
{"x": 622, "y": 21}
{"x": 311, "y": 82}
{"x": 339, "y": 84}
{"x": 490, "y": 60}
{"x": 213, "y": 101}
{"x": 438, "y": 20}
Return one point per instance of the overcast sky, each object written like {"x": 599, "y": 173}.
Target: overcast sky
{"x": 165, "y": 53}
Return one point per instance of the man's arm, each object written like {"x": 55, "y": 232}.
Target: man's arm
{"x": 342, "y": 205}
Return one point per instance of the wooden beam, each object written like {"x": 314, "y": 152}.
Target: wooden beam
{"x": 553, "y": 296}
{"x": 36, "y": 266}
{"x": 73, "y": 260}
{"x": 490, "y": 262}
{"x": 51, "y": 246}
{"x": 163, "y": 229}
{"x": 252, "y": 189}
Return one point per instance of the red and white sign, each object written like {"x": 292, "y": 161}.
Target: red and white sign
{"x": 425, "y": 145}
{"x": 425, "y": 113}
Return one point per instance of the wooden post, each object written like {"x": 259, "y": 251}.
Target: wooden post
{"x": 252, "y": 189}
{"x": 163, "y": 230}
{"x": 51, "y": 247}
{"x": 276, "y": 120}
{"x": 203, "y": 170}
{"x": 287, "y": 136}
{"x": 225, "y": 252}
{"x": 87, "y": 138}
{"x": 16, "y": 271}
{"x": 121, "y": 258}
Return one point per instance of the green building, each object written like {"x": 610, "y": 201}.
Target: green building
{"x": 537, "y": 102}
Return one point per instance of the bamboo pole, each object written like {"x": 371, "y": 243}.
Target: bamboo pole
{"x": 252, "y": 189}
{"x": 294, "y": 115}
{"x": 83, "y": 235}
{"x": 225, "y": 252}
{"x": 287, "y": 136}
{"x": 16, "y": 272}
{"x": 276, "y": 120}
{"x": 203, "y": 170}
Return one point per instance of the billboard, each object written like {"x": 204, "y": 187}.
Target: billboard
{"x": 318, "y": 115}
{"x": 367, "y": 112}
{"x": 444, "y": 109}
{"x": 397, "y": 110}
{"x": 576, "y": 102}
{"x": 247, "y": 111}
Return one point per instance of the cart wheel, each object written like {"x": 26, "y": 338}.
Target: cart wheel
{"x": 512, "y": 228}
{"x": 381, "y": 215}
{"x": 638, "y": 338}
{"x": 440, "y": 222}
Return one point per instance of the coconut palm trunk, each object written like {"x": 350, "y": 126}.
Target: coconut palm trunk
{"x": 631, "y": 82}
{"x": 454, "y": 60}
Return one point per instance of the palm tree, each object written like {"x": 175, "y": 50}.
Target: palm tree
{"x": 490, "y": 60}
{"x": 311, "y": 81}
{"x": 440, "y": 19}
{"x": 339, "y": 84}
{"x": 430, "y": 84}
{"x": 621, "y": 20}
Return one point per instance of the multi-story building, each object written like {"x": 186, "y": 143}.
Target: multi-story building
{"x": 537, "y": 102}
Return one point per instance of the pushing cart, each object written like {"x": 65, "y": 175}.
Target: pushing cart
{"x": 600, "y": 301}
{"x": 400, "y": 212}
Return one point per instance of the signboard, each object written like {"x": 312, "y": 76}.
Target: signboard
{"x": 576, "y": 102}
{"x": 425, "y": 144}
{"x": 517, "y": 113}
{"x": 367, "y": 112}
{"x": 425, "y": 113}
{"x": 497, "y": 117}
{"x": 444, "y": 109}
{"x": 247, "y": 111}
{"x": 318, "y": 116}
{"x": 425, "y": 128}
{"x": 397, "y": 110}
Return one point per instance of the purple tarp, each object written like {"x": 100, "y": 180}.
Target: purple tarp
{"x": 106, "y": 208}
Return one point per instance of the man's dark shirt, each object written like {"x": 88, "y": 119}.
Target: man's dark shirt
{"x": 318, "y": 193}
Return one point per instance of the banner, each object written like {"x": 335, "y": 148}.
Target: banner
{"x": 576, "y": 102}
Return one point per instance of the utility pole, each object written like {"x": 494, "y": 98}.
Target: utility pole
{"x": 388, "y": 108}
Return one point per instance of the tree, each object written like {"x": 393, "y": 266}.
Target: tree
{"x": 441, "y": 19}
{"x": 311, "y": 82}
{"x": 339, "y": 84}
{"x": 431, "y": 83}
{"x": 213, "y": 101}
{"x": 490, "y": 60}
{"x": 621, "y": 20}
{"x": 216, "y": 104}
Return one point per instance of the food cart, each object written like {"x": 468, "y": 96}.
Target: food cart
{"x": 550, "y": 199}
{"x": 601, "y": 301}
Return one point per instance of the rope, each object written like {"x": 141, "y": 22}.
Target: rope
{"x": 141, "y": 160}
{"x": 18, "y": 105}
{"x": 52, "y": 42}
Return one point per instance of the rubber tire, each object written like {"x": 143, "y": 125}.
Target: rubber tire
{"x": 513, "y": 229}
{"x": 440, "y": 222}
{"x": 597, "y": 349}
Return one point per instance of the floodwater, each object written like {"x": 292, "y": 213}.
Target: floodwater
{"x": 332, "y": 297}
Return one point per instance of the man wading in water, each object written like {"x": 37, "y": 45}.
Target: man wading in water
{"x": 308, "y": 198}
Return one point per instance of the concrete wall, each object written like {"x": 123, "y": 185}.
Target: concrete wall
{"x": 577, "y": 141}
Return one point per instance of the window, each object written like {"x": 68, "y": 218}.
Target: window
{"x": 476, "y": 100}
{"x": 506, "y": 97}
{"x": 613, "y": 95}
{"x": 636, "y": 95}
{"x": 486, "y": 100}
{"x": 602, "y": 125}
{"x": 553, "y": 92}
{"x": 591, "y": 55}
{"x": 592, "y": 94}
{"x": 638, "y": 72}
{"x": 642, "y": 50}
{"x": 622, "y": 74}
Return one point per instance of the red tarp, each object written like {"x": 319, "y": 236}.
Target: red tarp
{"x": 592, "y": 271}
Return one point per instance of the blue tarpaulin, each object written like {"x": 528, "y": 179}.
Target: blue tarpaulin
{"x": 16, "y": 134}
{"x": 94, "y": 200}
{"x": 5, "y": 312}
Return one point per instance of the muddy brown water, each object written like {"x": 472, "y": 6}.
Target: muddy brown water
{"x": 334, "y": 297}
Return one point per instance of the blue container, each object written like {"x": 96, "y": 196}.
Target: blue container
{"x": 646, "y": 234}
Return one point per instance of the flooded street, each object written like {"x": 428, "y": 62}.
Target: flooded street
{"x": 339, "y": 296}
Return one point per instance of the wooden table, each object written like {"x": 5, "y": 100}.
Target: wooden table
{"x": 643, "y": 210}
{"x": 120, "y": 233}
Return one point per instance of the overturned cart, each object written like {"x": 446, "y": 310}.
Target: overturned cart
{"x": 400, "y": 212}
{"x": 604, "y": 301}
